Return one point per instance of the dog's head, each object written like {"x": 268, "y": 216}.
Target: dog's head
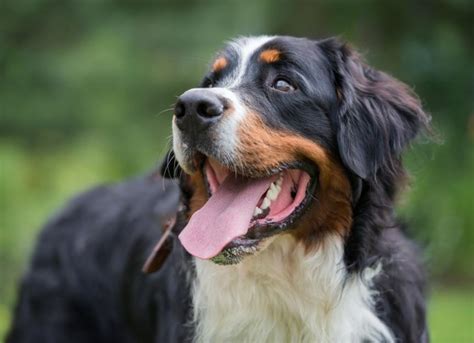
{"x": 282, "y": 136}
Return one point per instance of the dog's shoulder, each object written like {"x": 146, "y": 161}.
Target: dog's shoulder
{"x": 85, "y": 275}
{"x": 104, "y": 225}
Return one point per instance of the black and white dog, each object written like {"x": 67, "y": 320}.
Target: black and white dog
{"x": 288, "y": 158}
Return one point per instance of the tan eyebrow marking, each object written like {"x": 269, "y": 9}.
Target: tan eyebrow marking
{"x": 270, "y": 55}
{"x": 219, "y": 64}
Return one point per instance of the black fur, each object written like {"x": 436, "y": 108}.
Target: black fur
{"x": 377, "y": 118}
{"x": 85, "y": 284}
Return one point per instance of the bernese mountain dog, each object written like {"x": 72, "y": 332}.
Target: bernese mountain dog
{"x": 274, "y": 216}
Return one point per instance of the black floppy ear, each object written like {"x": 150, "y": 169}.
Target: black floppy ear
{"x": 377, "y": 115}
{"x": 169, "y": 167}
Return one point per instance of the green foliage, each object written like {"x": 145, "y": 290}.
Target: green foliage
{"x": 451, "y": 316}
{"x": 86, "y": 89}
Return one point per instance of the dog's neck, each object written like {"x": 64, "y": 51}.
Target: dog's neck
{"x": 284, "y": 294}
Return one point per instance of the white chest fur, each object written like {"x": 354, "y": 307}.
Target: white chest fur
{"x": 283, "y": 295}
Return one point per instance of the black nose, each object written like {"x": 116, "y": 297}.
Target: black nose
{"x": 198, "y": 109}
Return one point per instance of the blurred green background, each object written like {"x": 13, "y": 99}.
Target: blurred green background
{"x": 86, "y": 87}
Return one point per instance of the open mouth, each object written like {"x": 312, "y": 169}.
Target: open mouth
{"x": 242, "y": 211}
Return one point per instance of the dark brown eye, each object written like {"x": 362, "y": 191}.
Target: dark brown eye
{"x": 282, "y": 86}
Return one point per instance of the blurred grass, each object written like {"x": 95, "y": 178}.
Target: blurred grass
{"x": 451, "y": 316}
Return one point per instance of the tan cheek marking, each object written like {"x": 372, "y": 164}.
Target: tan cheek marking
{"x": 263, "y": 148}
{"x": 219, "y": 64}
{"x": 270, "y": 56}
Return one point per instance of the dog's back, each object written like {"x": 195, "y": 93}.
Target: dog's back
{"x": 85, "y": 284}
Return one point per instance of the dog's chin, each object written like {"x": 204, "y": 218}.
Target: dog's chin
{"x": 291, "y": 190}
{"x": 240, "y": 248}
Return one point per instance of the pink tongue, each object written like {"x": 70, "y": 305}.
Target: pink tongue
{"x": 225, "y": 216}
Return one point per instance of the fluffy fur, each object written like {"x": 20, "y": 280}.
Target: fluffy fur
{"x": 293, "y": 297}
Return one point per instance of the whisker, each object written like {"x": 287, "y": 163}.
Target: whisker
{"x": 166, "y": 110}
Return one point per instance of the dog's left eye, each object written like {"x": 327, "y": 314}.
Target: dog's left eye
{"x": 282, "y": 85}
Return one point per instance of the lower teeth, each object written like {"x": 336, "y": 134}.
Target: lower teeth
{"x": 261, "y": 214}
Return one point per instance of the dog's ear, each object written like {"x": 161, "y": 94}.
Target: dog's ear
{"x": 169, "y": 167}
{"x": 376, "y": 116}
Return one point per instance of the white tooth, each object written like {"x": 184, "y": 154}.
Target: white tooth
{"x": 272, "y": 193}
{"x": 278, "y": 188}
{"x": 265, "y": 203}
{"x": 280, "y": 180}
{"x": 257, "y": 211}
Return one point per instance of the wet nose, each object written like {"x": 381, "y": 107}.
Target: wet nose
{"x": 198, "y": 109}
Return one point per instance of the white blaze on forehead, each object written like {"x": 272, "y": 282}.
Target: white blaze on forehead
{"x": 225, "y": 132}
{"x": 228, "y": 140}
{"x": 245, "y": 48}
